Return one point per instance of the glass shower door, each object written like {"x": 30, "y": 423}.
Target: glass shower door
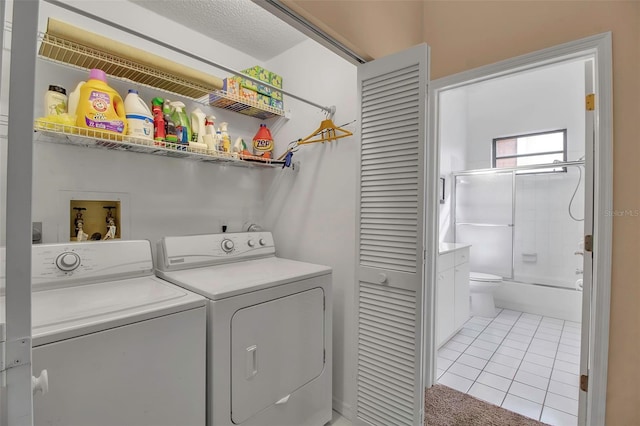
{"x": 484, "y": 219}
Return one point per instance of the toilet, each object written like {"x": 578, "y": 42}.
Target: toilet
{"x": 482, "y": 287}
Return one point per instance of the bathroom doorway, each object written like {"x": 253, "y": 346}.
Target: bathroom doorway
{"x": 517, "y": 152}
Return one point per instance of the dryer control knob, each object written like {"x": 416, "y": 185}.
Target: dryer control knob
{"x": 262, "y": 242}
{"x": 67, "y": 261}
{"x": 227, "y": 245}
{"x": 251, "y": 243}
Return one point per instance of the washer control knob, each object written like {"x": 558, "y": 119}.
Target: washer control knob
{"x": 67, "y": 261}
{"x": 251, "y": 243}
{"x": 262, "y": 242}
{"x": 227, "y": 245}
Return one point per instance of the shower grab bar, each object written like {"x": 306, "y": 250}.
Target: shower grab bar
{"x": 510, "y": 225}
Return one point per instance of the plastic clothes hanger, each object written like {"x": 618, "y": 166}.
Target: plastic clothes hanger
{"x": 327, "y": 132}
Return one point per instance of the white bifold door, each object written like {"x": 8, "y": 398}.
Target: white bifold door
{"x": 391, "y": 239}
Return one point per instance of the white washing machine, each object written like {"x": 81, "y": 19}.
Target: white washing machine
{"x": 120, "y": 346}
{"x": 269, "y": 328}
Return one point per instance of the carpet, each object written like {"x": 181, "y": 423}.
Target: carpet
{"x": 447, "y": 407}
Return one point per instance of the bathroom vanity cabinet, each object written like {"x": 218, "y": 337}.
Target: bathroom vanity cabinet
{"x": 452, "y": 290}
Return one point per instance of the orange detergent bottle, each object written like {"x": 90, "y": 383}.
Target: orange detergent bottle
{"x": 100, "y": 107}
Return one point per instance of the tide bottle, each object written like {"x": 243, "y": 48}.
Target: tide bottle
{"x": 100, "y": 107}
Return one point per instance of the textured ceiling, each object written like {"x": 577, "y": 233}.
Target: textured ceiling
{"x": 240, "y": 24}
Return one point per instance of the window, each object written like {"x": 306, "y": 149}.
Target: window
{"x": 534, "y": 148}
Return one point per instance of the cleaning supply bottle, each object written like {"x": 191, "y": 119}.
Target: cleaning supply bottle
{"x": 239, "y": 148}
{"x": 171, "y": 135}
{"x": 74, "y": 96}
{"x": 182, "y": 124}
{"x": 209, "y": 137}
{"x": 99, "y": 106}
{"x": 197, "y": 125}
{"x": 218, "y": 141}
{"x": 55, "y": 101}
{"x": 139, "y": 118}
{"x": 158, "y": 121}
{"x": 263, "y": 142}
{"x": 169, "y": 125}
{"x": 226, "y": 141}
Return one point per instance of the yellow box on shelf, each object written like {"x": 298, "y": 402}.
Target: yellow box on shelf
{"x": 264, "y": 100}
{"x": 259, "y": 73}
{"x": 276, "y": 80}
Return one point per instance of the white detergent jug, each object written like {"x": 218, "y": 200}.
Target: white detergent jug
{"x": 74, "y": 97}
{"x": 197, "y": 125}
{"x": 139, "y": 118}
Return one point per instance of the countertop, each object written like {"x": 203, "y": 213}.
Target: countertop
{"x": 449, "y": 247}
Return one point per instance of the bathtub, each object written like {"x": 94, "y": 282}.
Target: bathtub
{"x": 553, "y": 302}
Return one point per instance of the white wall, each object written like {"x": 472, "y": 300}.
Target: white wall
{"x": 312, "y": 213}
{"x": 453, "y": 152}
{"x": 551, "y": 98}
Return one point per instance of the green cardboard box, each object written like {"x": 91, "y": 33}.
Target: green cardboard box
{"x": 276, "y": 80}
{"x": 259, "y": 73}
{"x": 264, "y": 99}
{"x": 276, "y": 103}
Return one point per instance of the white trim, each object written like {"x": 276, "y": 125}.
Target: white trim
{"x": 599, "y": 48}
{"x": 18, "y": 216}
{"x": 342, "y": 407}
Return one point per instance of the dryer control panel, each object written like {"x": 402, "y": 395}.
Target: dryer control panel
{"x": 201, "y": 250}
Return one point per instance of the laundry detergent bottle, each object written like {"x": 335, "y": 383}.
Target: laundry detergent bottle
{"x": 139, "y": 118}
{"x": 100, "y": 107}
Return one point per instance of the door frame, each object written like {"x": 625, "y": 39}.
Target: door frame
{"x": 599, "y": 48}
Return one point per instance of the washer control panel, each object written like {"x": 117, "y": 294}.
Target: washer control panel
{"x": 92, "y": 261}
{"x": 68, "y": 261}
{"x": 188, "y": 251}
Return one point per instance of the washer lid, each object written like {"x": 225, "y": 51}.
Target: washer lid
{"x": 231, "y": 279}
{"x": 480, "y": 276}
{"x": 63, "y": 313}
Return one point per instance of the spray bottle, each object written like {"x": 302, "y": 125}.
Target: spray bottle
{"x": 169, "y": 125}
{"x": 209, "y": 137}
{"x": 182, "y": 124}
{"x": 218, "y": 141}
{"x": 226, "y": 141}
{"x": 159, "y": 125}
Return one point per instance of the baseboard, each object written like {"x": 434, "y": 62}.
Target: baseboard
{"x": 342, "y": 407}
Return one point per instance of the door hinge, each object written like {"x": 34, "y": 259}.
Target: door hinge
{"x": 584, "y": 383}
{"x": 591, "y": 102}
{"x": 324, "y": 356}
{"x": 588, "y": 243}
{"x": 324, "y": 303}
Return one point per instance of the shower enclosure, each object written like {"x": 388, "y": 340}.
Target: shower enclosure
{"x": 524, "y": 224}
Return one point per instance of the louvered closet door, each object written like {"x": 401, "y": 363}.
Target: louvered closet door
{"x": 390, "y": 252}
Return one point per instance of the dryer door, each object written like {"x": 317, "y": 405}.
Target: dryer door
{"x": 276, "y": 348}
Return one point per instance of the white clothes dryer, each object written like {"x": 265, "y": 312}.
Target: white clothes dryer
{"x": 269, "y": 328}
{"x": 120, "y": 346}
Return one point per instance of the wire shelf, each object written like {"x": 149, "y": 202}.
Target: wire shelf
{"x": 69, "y": 53}
{"x": 80, "y": 136}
